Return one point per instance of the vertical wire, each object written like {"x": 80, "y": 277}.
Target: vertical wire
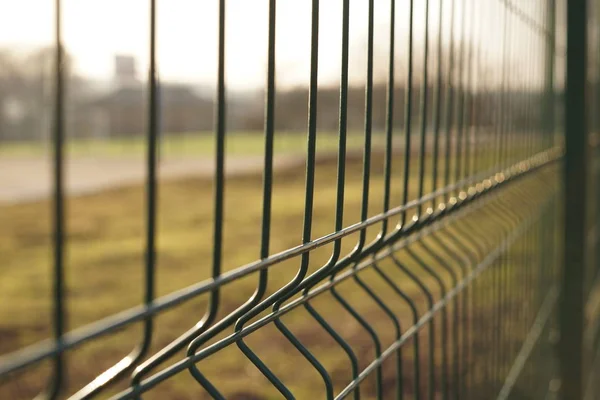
{"x": 497, "y": 104}
{"x": 468, "y": 171}
{"x": 502, "y": 298}
{"x": 510, "y": 126}
{"x": 490, "y": 97}
{"x": 472, "y": 379}
{"x": 389, "y": 121}
{"x": 431, "y": 329}
{"x": 493, "y": 298}
{"x": 523, "y": 141}
{"x": 368, "y": 128}
{"x": 408, "y": 114}
{"x": 497, "y": 271}
{"x": 445, "y": 265}
{"x": 324, "y": 271}
{"x": 460, "y": 110}
{"x": 421, "y": 182}
{"x": 456, "y": 315}
{"x": 220, "y": 132}
{"x": 269, "y": 118}
{"x": 59, "y": 311}
{"x": 220, "y": 115}
{"x": 424, "y": 104}
{"x": 467, "y": 168}
{"x": 540, "y": 82}
{"x": 513, "y": 273}
{"x": 530, "y": 133}
{"x": 341, "y": 173}
{"x": 268, "y": 159}
{"x": 520, "y": 128}
{"x": 505, "y": 109}
{"x": 415, "y": 319}
{"x": 524, "y": 130}
{"x": 457, "y": 174}
{"x": 496, "y": 325}
{"x": 437, "y": 117}
{"x": 488, "y": 329}
{"x": 343, "y": 122}
{"x": 449, "y": 104}
{"x": 513, "y": 154}
{"x": 485, "y": 302}
{"x": 365, "y": 200}
{"x": 395, "y": 321}
{"x": 481, "y": 133}
{"x": 502, "y": 359}
{"x": 505, "y": 148}
{"x": 526, "y": 324}
{"x": 308, "y": 207}
{"x": 151, "y": 170}
{"x": 269, "y": 139}
{"x": 496, "y": 321}
{"x": 312, "y": 127}
{"x": 520, "y": 271}
{"x": 478, "y": 101}
{"x": 549, "y": 115}
{"x": 461, "y": 98}
{"x": 503, "y": 88}
{"x": 388, "y": 172}
{"x": 368, "y": 125}
{"x": 219, "y": 194}
{"x": 469, "y": 260}
{"x": 481, "y": 300}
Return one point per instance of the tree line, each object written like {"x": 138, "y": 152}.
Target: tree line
{"x": 27, "y": 85}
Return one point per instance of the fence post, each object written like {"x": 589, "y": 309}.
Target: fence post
{"x": 575, "y": 194}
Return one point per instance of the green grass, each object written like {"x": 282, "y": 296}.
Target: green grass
{"x": 105, "y": 259}
{"x": 193, "y": 143}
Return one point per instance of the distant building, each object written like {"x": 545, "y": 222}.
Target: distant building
{"x": 125, "y": 70}
{"x": 115, "y": 108}
{"x": 124, "y": 112}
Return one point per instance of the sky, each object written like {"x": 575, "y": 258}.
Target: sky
{"x": 95, "y": 30}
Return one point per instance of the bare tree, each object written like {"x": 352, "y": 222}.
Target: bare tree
{"x": 27, "y": 92}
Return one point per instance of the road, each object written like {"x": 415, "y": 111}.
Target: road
{"x": 29, "y": 178}
{"x": 24, "y": 179}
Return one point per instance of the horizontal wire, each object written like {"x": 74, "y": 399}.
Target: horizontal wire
{"x": 465, "y": 192}
{"x": 209, "y": 350}
{"x": 410, "y": 332}
{"x": 42, "y": 350}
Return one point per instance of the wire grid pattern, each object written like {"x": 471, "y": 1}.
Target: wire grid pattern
{"x": 590, "y": 328}
{"x": 475, "y": 231}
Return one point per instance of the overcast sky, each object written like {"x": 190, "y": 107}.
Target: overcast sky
{"x": 95, "y": 30}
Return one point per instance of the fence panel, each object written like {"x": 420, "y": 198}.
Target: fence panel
{"x": 429, "y": 262}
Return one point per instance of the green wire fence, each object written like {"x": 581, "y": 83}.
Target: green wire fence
{"x": 484, "y": 263}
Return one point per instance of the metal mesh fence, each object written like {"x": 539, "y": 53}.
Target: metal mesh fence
{"x": 430, "y": 269}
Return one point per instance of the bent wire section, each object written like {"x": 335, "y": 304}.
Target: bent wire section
{"x": 457, "y": 259}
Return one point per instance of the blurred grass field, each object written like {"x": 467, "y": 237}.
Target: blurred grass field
{"x": 105, "y": 261}
{"x": 245, "y": 143}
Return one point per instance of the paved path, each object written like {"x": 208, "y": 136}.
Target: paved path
{"x": 25, "y": 178}
{"x": 30, "y": 178}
